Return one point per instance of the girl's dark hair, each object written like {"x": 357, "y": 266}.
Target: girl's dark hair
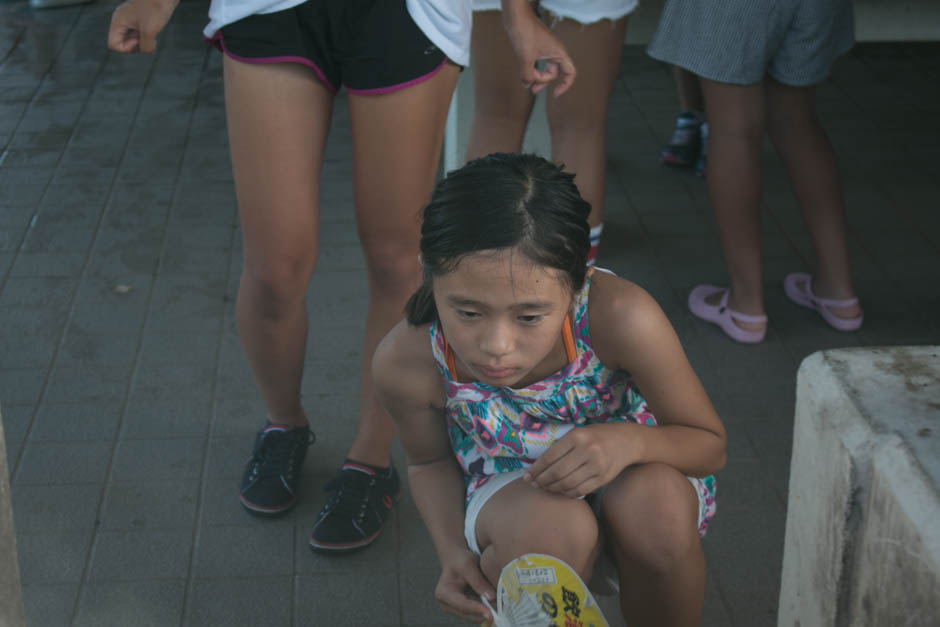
{"x": 502, "y": 201}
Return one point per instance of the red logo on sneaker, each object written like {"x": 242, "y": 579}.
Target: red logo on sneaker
{"x": 387, "y": 501}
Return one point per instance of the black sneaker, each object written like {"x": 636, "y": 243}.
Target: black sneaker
{"x": 361, "y": 500}
{"x": 272, "y": 474}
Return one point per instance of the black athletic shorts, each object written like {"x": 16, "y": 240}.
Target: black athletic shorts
{"x": 368, "y": 46}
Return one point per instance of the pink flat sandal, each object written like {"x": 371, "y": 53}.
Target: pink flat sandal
{"x": 804, "y": 297}
{"x": 724, "y": 316}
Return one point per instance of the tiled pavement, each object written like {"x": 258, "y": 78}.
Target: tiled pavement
{"x": 129, "y": 409}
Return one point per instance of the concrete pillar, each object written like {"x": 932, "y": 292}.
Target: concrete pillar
{"x": 862, "y": 544}
{"x": 11, "y": 595}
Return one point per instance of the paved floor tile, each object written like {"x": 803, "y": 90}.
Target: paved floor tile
{"x": 141, "y": 460}
{"x": 52, "y": 557}
{"x": 91, "y": 350}
{"x": 57, "y": 265}
{"x": 244, "y": 551}
{"x": 16, "y": 419}
{"x": 56, "y": 507}
{"x": 67, "y": 422}
{"x": 157, "y": 603}
{"x": 241, "y": 602}
{"x": 418, "y": 607}
{"x": 27, "y": 352}
{"x": 150, "y": 505}
{"x": 55, "y": 463}
{"x": 88, "y": 384}
{"x": 49, "y": 605}
{"x": 157, "y": 554}
{"x": 367, "y": 598}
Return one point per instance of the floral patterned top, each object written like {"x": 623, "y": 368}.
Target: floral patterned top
{"x": 499, "y": 429}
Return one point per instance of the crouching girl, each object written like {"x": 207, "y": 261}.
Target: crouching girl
{"x": 523, "y": 382}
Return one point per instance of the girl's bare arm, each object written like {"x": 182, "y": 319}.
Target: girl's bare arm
{"x": 630, "y": 331}
{"x": 409, "y": 386}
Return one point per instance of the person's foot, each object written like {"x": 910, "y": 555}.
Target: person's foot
{"x": 683, "y": 149}
{"x": 360, "y": 500}
{"x": 715, "y": 300}
{"x": 840, "y": 310}
{"x": 710, "y": 303}
{"x": 272, "y": 474}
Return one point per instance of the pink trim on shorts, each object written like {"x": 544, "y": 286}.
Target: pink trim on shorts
{"x": 384, "y": 90}
{"x": 218, "y": 43}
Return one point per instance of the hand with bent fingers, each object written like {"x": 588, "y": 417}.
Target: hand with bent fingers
{"x": 534, "y": 42}
{"x": 461, "y": 585}
{"x": 135, "y": 25}
{"x": 584, "y": 459}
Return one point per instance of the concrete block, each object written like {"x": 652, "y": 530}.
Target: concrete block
{"x": 863, "y": 495}
{"x": 899, "y": 536}
{"x": 174, "y": 418}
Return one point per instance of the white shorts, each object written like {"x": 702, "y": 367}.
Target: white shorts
{"x": 604, "y": 580}
{"x": 581, "y": 11}
{"x": 491, "y": 487}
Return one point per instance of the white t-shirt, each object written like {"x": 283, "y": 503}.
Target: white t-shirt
{"x": 446, "y": 23}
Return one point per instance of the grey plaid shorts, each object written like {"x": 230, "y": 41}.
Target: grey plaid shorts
{"x": 741, "y": 41}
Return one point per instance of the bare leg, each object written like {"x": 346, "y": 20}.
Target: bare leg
{"x": 397, "y": 141}
{"x": 501, "y": 107}
{"x": 276, "y": 160}
{"x": 650, "y": 514}
{"x": 811, "y": 164}
{"x": 736, "y": 119}
{"x": 689, "y": 90}
{"x": 578, "y": 118}
{"x": 520, "y": 519}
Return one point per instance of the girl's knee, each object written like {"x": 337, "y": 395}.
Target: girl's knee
{"x": 652, "y": 515}
{"x": 572, "y": 535}
{"x": 745, "y": 130}
{"x": 392, "y": 266}
{"x": 276, "y": 284}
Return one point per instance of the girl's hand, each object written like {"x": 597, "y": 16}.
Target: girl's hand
{"x": 136, "y": 23}
{"x": 461, "y": 584}
{"x": 585, "y": 459}
{"x": 533, "y": 42}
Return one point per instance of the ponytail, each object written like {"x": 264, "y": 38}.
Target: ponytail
{"x": 420, "y": 308}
